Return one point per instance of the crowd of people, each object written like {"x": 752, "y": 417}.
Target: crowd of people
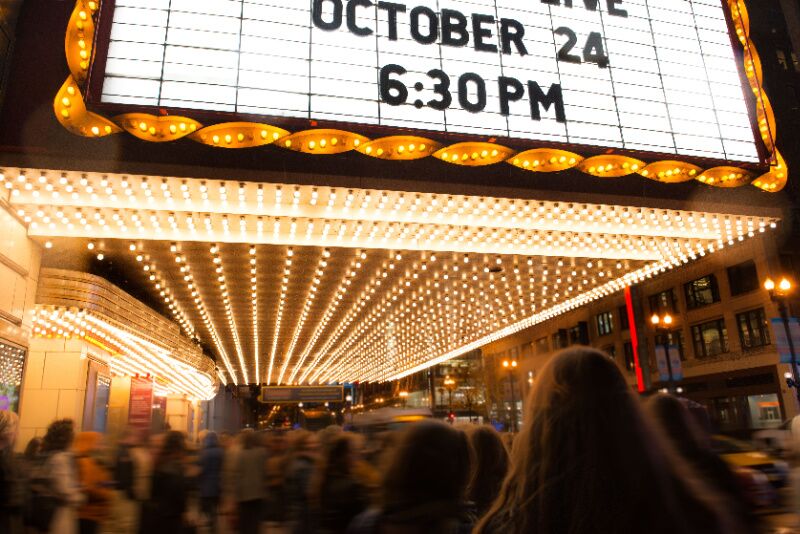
{"x": 591, "y": 457}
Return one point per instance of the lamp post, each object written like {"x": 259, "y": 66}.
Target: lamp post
{"x": 510, "y": 366}
{"x": 780, "y": 293}
{"x": 450, "y": 385}
{"x": 403, "y": 397}
{"x": 349, "y": 400}
{"x": 662, "y": 324}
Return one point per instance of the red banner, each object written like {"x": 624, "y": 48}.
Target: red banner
{"x": 140, "y": 412}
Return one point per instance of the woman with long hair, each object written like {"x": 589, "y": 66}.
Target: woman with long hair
{"x": 336, "y": 495}
{"x": 588, "y": 461}
{"x": 489, "y": 460}
{"x": 424, "y": 486}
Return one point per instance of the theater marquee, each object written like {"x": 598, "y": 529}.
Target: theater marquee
{"x": 611, "y": 87}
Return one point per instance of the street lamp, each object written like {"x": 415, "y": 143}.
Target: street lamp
{"x": 403, "y": 397}
{"x": 449, "y": 385}
{"x": 510, "y": 366}
{"x": 780, "y": 293}
{"x": 662, "y": 324}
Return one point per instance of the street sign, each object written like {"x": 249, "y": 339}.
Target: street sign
{"x": 782, "y": 340}
{"x": 293, "y": 394}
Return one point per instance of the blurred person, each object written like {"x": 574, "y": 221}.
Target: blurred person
{"x": 58, "y": 494}
{"x": 230, "y": 468}
{"x": 424, "y": 487}
{"x": 489, "y": 462}
{"x": 693, "y": 444}
{"x": 169, "y": 490}
{"x": 336, "y": 494}
{"x": 327, "y": 435}
{"x": 210, "y": 477}
{"x": 276, "y": 459}
{"x": 11, "y": 488}
{"x": 251, "y": 483}
{"x": 587, "y": 460}
{"x": 301, "y": 460}
{"x": 131, "y": 475}
{"x": 95, "y": 481}
{"x": 30, "y": 462}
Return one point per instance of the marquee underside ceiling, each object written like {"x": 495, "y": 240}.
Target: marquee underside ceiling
{"x": 310, "y": 285}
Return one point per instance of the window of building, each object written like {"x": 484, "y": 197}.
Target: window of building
{"x": 630, "y": 360}
{"x": 663, "y": 302}
{"x": 579, "y": 334}
{"x": 672, "y": 338}
{"x": 623, "y": 318}
{"x": 701, "y": 292}
{"x": 611, "y": 350}
{"x": 753, "y": 329}
{"x": 710, "y": 338}
{"x": 605, "y": 323}
{"x": 560, "y": 339}
{"x": 541, "y": 345}
{"x": 743, "y": 278}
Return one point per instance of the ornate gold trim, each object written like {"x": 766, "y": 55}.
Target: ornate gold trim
{"x": 71, "y": 112}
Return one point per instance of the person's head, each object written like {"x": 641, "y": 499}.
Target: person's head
{"x": 587, "y": 460}
{"x": 87, "y": 443}
{"x": 8, "y": 429}
{"x": 672, "y": 415}
{"x": 211, "y": 441}
{"x": 430, "y": 464}
{"x": 173, "y": 448}
{"x": 33, "y": 448}
{"x": 327, "y": 435}
{"x": 59, "y": 436}
{"x": 489, "y": 460}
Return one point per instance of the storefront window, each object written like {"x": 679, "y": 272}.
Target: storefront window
{"x": 710, "y": 338}
{"x": 12, "y": 360}
{"x": 765, "y": 410}
{"x": 753, "y": 329}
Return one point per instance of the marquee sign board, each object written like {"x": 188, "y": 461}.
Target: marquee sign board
{"x": 651, "y": 76}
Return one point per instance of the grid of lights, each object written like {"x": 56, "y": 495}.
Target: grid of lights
{"x": 131, "y": 354}
{"x": 355, "y": 284}
{"x": 12, "y": 360}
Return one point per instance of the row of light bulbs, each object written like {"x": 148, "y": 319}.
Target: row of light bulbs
{"x": 361, "y": 204}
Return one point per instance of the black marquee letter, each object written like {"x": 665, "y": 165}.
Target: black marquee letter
{"x": 554, "y": 96}
{"x": 512, "y": 31}
{"x": 433, "y": 25}
{"x": 454, "y": 28}
{"x": 352, "y": 19}
{"x": 507, "y": 95}
{"x": 614, "y": 10}
{"x": 319, "y": 22}
{"x": 393, "y": 9}
{"x": 482, "y": 33}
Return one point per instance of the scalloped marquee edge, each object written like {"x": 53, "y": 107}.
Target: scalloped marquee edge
{"x": 70, "y": 110}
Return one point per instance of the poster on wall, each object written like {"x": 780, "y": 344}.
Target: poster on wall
{"x": 141, "y": 406}
{"x": 12, "y": 360}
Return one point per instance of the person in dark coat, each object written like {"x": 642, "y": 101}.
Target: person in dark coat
{"x": 210, "y": 478}
{"x": 170, "y": 488}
